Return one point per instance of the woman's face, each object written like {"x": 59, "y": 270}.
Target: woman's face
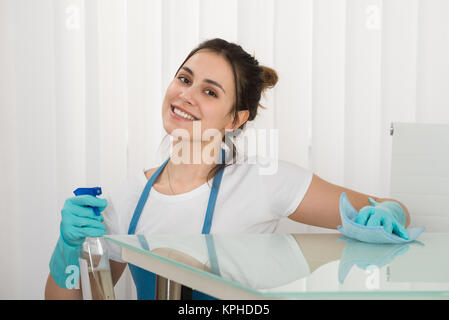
{"x": 203, "y": 89}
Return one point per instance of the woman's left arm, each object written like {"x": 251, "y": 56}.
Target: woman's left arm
{"x": 321, "y": 203}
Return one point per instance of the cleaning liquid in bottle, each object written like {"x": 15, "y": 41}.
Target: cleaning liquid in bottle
{"x": 96, "y": 279}
{"x": 95, "y": 271}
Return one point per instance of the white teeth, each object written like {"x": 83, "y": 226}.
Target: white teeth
{"x": 183, "y": 114}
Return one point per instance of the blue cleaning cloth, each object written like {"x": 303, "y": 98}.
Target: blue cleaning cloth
{"x": 368, "y": 234}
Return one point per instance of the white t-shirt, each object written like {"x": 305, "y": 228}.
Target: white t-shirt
{"x": 247, "y": 202}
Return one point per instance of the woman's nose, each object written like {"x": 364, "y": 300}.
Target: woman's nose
{"x": 188, "y": 94}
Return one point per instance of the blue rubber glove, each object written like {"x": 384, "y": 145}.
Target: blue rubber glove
{"x": 388, "y": 214}
{"x": 78, "y": 222}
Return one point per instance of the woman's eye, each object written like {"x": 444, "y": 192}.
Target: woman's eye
{"x": 183, "y": 78}
{"x": 187, "y": 81}
{"x": 212, "y": 93}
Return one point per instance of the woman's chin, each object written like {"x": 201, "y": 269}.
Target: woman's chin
{"x": 178, "y": 132}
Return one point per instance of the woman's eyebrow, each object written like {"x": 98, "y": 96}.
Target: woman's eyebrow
{"x": 188, "y": 70}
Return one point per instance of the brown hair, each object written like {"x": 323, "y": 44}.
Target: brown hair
{"x": 250, "y": 78}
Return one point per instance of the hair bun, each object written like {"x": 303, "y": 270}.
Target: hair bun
{"x": 269, "y": 77}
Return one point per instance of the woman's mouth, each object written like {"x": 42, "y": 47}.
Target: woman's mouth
{"x": 179, "y": 114}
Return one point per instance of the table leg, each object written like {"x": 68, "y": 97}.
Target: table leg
{"x": 167, "y": 289}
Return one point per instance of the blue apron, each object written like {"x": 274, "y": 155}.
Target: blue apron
{"x": 144, "y": 280}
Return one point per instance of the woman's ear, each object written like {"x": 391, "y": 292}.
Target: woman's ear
{"x": 242, "y": 117}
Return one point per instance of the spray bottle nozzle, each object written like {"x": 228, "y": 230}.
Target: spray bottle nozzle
{"x": 96, "y": 191}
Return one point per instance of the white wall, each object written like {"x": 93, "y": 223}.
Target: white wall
{"x": 81, "y": 85}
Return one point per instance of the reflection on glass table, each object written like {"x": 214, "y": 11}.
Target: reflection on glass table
{"x": 297, "y": 266}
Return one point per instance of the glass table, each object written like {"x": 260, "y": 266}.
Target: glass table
{"x": 294, "y": 266}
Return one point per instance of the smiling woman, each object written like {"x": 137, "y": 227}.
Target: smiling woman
{"x": 219, "y": 85}
{"x": 216, "y": 89}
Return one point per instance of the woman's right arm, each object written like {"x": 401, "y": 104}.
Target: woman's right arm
{"x": 78, "y": 221}
{"x": 55, "y": 292}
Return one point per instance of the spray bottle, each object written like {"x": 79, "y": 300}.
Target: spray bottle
{"x": 95, "y": 271}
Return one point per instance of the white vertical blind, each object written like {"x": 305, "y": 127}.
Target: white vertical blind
{"x": 218, "y": 19}
{"x": 293, "y": 62}
{"x": 328, "y": 89}
{"x": 398, "y": 76}
{"x": 362, "y": 102}
{"x": 255, "y": 34}
{"x": 9, "y": 218}
{"x": 112, "y": 126}
{"x": 34, "y": 158}
{"x": 82, "y": 82}
{"x": 433, "y": 65}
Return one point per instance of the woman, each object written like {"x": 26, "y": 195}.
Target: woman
{"x": 216, "y": 91}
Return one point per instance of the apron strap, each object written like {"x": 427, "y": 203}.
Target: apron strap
{"x": 143, "y": 199}
{"x": 212, "y": 254}
{"x": 213, "y": 198}
{"x": 143, "y": 242}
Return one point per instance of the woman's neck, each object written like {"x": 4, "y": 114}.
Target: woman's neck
{"x": 190, "y": 162}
